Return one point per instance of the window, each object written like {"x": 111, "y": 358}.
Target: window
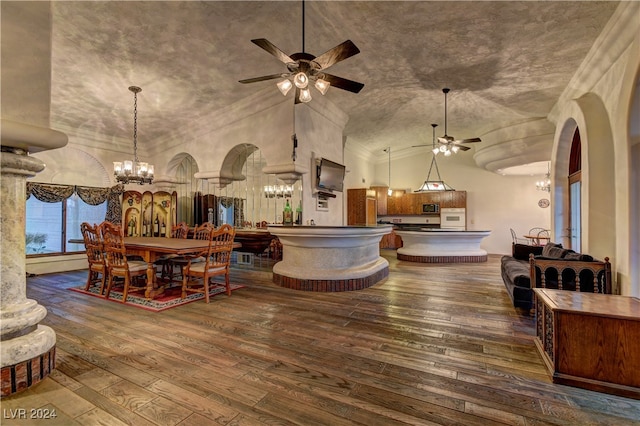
{"x": 50, "y": 225}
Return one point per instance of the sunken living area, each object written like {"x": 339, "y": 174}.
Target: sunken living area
{"x": 432, "y": 344}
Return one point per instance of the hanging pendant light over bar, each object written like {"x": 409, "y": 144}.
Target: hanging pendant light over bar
{"x": 128, "y": 171}
{"x": 434, "y": 185}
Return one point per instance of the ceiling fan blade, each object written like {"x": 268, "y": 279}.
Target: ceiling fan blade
{"x": 472, "y": 140}
{"x": 463, "y": 148}
{"x": 445, "y": 139}
{"x": 263, "y": 78}
{"x": 419, "y": 146}
{"x": 339, "y": 53}
{"x": 271, "y": 48}
{"x": 297, "y": 101}
{"x": 343, "y": 83}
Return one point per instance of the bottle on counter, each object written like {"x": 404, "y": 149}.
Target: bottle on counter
{"x": 130, "y": 226}
{"x": 299, "y": 213}
{"x": 163, "y": 229}
{"x": 287, "y": 214}
{"x": 156, "y": 227}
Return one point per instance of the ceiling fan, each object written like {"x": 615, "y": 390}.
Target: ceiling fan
{"x": 304, "y": 68}
{"x": 448, "y": 143}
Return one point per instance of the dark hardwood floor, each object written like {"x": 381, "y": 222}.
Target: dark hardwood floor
{"x": 432, "y": 344}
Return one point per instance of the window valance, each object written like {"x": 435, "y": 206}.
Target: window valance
{"x": 54, "y": 193}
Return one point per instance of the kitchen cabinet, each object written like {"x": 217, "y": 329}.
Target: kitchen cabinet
{"x": 391, "y": 241}
{"x": 361, "y": 207}
{"x": 381, "y": 198}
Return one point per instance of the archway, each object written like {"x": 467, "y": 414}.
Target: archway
{"x": 589, "y": 114}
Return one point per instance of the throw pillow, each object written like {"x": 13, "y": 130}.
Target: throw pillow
{"x": 572, "y": 255}
{"x": 554, "y": 252}
{"x": 549, "y": 250}
{"x": 522, "y": 251}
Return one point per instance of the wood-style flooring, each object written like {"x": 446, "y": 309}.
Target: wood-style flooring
{"x": 430, "y": 345}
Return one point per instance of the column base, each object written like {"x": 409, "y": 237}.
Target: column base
{"x": 23, "y": 375}
{"x": 327, "y": 285}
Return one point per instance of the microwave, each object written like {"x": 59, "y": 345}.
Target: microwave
{"x": 430, "y": 208}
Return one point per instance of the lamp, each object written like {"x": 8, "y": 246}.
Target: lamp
{"x": 284, "y": 86}
{"x": 435, "y": 185}
{"x": 133, "y": 171}
{"x": 389, "y": 190}
{"x": 545, "y": 184}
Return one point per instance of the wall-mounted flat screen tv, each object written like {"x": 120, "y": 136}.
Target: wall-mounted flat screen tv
{"x": 330, "y": 175}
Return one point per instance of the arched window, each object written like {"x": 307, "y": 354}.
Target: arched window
{"x": 575, "y": 185}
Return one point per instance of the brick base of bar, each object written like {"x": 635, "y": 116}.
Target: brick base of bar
{"x": 330, "y": 285}
{"x": 23, "y": 375}
{"x": 443, "y": 259}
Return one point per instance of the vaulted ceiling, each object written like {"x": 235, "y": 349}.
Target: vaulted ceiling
{"x": 506, "y": 62}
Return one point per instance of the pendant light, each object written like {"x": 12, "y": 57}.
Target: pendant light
{"x": 128, "y": 171}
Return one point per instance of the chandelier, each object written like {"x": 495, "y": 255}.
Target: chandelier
{"x": 278, "y": 191}
{"x": 434, "y": 185}
{"x": 128, "y": 171}
{"x": 545, "y": 184}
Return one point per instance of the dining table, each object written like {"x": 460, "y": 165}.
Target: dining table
{"x": 536, "y": 239}
{"x": 153, "y": 248}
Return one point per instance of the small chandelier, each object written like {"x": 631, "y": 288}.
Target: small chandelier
{"x": 545, "y": 184}
{"x": 133, "y": 171}
{"x": 278, "y": 191}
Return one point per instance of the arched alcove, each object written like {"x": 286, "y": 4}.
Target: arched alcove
{"x": 69, "y": 166}
{"x": 183, "y": 167}
{"x": 589, "y": 115}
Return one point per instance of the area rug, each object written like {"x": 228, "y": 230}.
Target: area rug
{"x": 169, "y": 299}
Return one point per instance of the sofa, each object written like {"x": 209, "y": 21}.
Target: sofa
{"x": 551, "y": 266}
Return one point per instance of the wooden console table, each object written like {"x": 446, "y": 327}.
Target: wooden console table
{"x": 590, "y": 340}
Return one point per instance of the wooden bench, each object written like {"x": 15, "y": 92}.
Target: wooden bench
{"x": 573, "y": 275}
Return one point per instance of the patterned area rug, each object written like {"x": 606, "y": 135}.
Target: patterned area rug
{"x": 169, "y": 299}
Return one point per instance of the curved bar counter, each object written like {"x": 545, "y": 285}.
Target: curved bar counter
{"x": 442, "y": 246}
{"x": 330, "y": 258}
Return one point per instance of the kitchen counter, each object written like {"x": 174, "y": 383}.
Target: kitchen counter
{"x": 429, "y": 245}
{"x": 330, "y": 258}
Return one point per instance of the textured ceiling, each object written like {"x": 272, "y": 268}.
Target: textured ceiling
{"x": 505, "y": 62}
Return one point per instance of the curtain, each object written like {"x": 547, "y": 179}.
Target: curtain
{"x": 53, "y": 193}
{"x": 49, "y": 193}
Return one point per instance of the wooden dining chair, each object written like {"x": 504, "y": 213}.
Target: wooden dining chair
{"x": 535, "y": 233}
{"x": 516, "y": 240}
{"x": 95, "y": 255}
{"x": 117, "y": 263}
{"x": 169, "y": 262}
{"x": 217, "y": 261}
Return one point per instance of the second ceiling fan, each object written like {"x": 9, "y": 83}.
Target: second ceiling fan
{"x": 304, "y": 68}
{"x": 448, "y": 143}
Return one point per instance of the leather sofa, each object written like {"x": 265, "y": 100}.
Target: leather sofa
{"x": 551, "y": 266}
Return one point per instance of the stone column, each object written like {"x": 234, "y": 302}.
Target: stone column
{"x": 27, "y": 349}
